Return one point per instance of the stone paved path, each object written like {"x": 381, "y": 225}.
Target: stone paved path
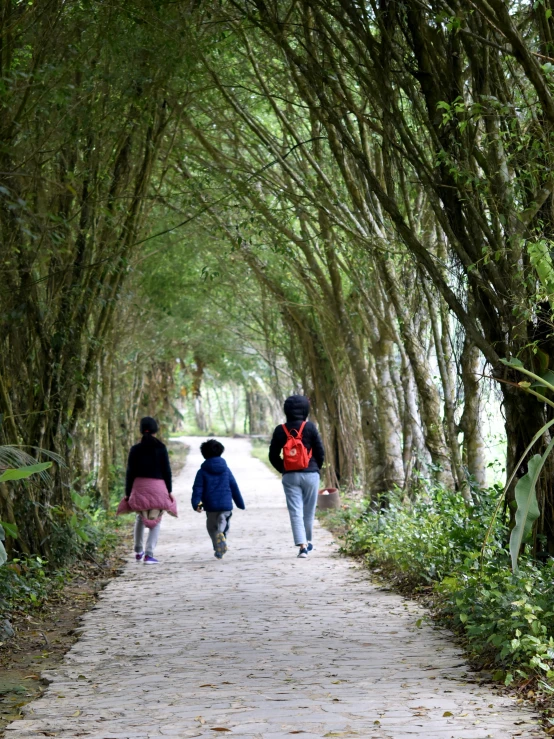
{"x": 260, "y": 644}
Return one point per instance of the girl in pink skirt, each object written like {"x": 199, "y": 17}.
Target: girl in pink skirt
{"x": 148, "y": 489}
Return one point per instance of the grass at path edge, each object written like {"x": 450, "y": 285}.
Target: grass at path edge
{"x": 430, "y": 551}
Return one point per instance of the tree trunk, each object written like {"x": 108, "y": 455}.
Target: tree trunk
{"x": 429, "y": 400}
{"x": 474, "y": 452}
{"x": 389, "y": 424}
{"x": 438, "y": 331}
{"x": 197, "y": 377}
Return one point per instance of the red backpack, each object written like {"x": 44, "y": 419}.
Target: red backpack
{"x": 295, "y": 455}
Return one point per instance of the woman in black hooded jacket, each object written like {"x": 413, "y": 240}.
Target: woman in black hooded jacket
{"x": 300, "y": 486}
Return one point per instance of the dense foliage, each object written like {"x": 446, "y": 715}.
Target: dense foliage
{"x": 27, "y": 581}
{"x": 433, "y": 547}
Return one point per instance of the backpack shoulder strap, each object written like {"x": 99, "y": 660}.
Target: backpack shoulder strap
{"x": 287, "y": 432}
{"x": 297, "y": 432}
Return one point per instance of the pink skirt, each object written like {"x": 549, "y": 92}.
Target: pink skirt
{"x": 148, "y": 494}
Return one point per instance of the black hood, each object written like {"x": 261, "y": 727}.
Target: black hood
{"x": 297, "y": 408}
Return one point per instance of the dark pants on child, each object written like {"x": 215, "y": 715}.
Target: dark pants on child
{"x": 218, "y": 522}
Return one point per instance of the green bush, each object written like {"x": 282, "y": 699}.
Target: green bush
{"x": 508, "y": 619}
{"x": 24, "y": 583}
{"x": 87, "y": 531}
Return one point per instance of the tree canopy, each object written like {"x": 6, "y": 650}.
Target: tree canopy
{"x": 349, "y": 200}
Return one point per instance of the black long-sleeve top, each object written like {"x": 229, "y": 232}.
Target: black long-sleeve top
{"x": 148, "y": 458}
{"x": 296, "y": 410}
{"x": 311, "y": 440}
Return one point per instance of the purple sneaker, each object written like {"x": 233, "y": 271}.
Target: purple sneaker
{"x": 139, "y": 556}
{"x": 148, "y": 560}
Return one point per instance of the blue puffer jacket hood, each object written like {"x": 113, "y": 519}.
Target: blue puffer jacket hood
{"x": 297, "y": 408}
{"x": 215, "y": 466}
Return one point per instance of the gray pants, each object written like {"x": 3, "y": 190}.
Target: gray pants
{"x": 152, "y": 539}
{"x": 218, "y": 522}
{"x": 301, "y": 494}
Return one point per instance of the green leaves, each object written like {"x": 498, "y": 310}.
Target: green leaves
{"x": 79, "y": 526}
{"x": 512, "y": 362}
{"x": 543, "y": 380}
{"x": 525, "y": 493}
{"x": 539, "y": 254}
{"x": 81, "y": 501}
{"x": 23, "y": 472}
{"x": 500, "y": 612}
{"x": 527, "y": 505}
{"x": 10, "y": 529}
{"x": 16, "y": 474}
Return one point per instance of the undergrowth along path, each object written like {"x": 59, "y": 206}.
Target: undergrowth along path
{"x": 261, "y": 644}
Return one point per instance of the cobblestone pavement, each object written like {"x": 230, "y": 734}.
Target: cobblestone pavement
{"x": 260, "y": 644}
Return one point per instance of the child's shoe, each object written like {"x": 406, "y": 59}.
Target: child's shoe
{"x": 310, "y": 546}
{"x": 303, "y": 553}
{"x": 220, "y": 545}
{"x": 139, "y": 556}
{"x": 217, "y": 555}
{"x": 148, "y": 560}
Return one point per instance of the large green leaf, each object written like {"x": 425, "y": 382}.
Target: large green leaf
{"x": 527, "y": 505}
{"x": 9, "y": 529}
{"x": 533, "y": 441}
{"x": 81, "y": 501}
{"x": 547, "y": 376}
{"x": 526, "y": 498}
{"x": 516, "y": 364}
{"x": 13, "y": 457}
{"x": 22, "y": 472}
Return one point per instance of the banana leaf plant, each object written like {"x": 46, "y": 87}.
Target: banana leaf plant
{"x": 11, "y": 455}
{"x": 527, "y": 510}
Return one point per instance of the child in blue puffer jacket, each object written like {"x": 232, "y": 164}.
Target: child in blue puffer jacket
{"x": 214, "y": 491}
